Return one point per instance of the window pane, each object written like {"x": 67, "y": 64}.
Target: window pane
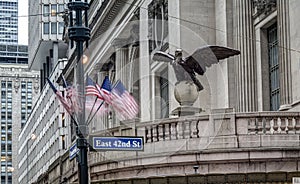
{"x": 46, "y": 10}
{"x": 53, "y": 28}
{"x": 164, "y": 91}
{"x": 53, "y": 9}
{"x": 61, "y": 9}
{"x": 273, "y": 68}
{"x": 9, "y": 84}
{"x": 60, "y": 28}
{"x": 29, "y": 84}
{"x": 46, "y": 27}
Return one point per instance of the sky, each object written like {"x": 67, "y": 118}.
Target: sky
{"x": 23, "y": 22}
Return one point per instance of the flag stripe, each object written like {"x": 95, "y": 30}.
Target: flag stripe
{"x": 63, "y": 101}
{"x": 123, "y": 103}
{"x": 102, "y": 93}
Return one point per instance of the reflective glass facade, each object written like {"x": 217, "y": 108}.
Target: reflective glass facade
{"x": 9, "y": 21}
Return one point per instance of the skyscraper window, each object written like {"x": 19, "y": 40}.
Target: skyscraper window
{"x": 53, "y": 9}
{"x": 46, "y": 27}
{"x": 53, "y": 27}
{"x": 46, "y": 10}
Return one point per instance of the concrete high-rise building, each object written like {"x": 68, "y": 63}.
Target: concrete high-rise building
{"x": 9, "y": 21}
{"x": 248, "y": 130}
{"x": 45, "y": 43}
{"x": 19, "y": 88}
{"x": 47, "y": 52}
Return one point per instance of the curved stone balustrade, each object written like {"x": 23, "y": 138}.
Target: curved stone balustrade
{"x": 218, "y": 143}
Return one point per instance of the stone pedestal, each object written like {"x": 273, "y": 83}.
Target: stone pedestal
{"x": 186, "y": 94}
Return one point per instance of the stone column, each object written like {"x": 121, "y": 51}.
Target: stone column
{"x": 245, "y": 64}
{"x": 144, "y": 66}
{"x": 284, "y": 54}
{"x": 122, "y": 73}
{"x": 225, "y": 71}
{"x": 16, "y": 127}
{"x": 121, "y": 65}
{"x": 132, "y": 67}
{"x": 102, "y": 122}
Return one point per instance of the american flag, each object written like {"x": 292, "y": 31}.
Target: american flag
{"x": 92, "y": 89}
{"x": 102, "y": 92}
{"x": 63, "y": 101}
{"x": 71, "y": 95}
{"x": 105, "y": 90}
{"x": 123, "y": 103}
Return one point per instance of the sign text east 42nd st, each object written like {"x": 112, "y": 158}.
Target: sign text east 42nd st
{"x": 118, "y": 143}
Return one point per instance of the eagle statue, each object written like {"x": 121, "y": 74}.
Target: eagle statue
{"x": 186, "y": 68}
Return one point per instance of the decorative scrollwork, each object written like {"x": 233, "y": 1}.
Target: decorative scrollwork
{"x": 17, "y": 83}
{"x": 264, "y": 6}
{"x": 155, "y": 7}
{"x": 36, "y": 85}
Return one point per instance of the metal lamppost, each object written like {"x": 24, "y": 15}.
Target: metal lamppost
{"x": 80, "y": 34}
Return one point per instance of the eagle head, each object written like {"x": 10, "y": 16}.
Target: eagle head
{"x": 178, "y": 55}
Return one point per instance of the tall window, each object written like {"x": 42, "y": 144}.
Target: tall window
{"x": 46, "y": 10}
{"x": 53, "y": 27}
{"x": 273, "y": 68}
{"x": 53, "y": 9}
{"x": 61, "y": 27}
{"x": 158, "y": 25}
{"x": 61, "y": 9}
{"x": 164, "y": 94}
{"x": 46, "y": 27}
{"x": 26, "y": 101}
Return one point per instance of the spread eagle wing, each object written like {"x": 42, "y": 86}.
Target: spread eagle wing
{"x": 206, "y": 56}
{"x": 163, "y": 56}
{"x": 180, "y": 71}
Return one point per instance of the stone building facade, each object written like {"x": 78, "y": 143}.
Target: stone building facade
{"x": 247, "y": 130}
{"x": 19, "y": 91}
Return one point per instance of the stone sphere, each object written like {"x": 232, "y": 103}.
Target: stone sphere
{"x": 186, "y": 93}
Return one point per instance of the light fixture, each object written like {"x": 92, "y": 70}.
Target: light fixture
{"x": 85, "y": 59}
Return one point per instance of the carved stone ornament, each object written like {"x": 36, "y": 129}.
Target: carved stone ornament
{"x": 155, "y": 7}
{"x": 36, "y": 85}
{"x": 17, "y": 84}
{"x": 264, "y": 6}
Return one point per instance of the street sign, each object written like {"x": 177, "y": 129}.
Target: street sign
{"x": 296, "y": 180}
{"x": 118, "y": 143}
{"x": 73, "y": 151}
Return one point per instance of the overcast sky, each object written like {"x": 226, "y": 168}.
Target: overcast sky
{"x": 23, "y": 22}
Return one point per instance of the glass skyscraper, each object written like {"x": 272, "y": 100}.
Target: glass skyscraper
{"x": 9, "y": 21}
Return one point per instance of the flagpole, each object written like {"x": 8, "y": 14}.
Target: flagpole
{"x": 56, "y": 92}
{"x": 80, "y": 34}
{"x": 65, "y": 85}
{"x": 87, "y": 120}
